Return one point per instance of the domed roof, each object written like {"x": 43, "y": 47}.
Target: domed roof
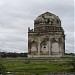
{"x": 47, "y": 18}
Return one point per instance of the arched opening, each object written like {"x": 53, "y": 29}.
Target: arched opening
{"x": 55, "y": 48}
{"x": 33, "y": 47}
{"x": 44, "y": 48}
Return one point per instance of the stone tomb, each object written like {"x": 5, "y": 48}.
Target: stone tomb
{"x": 47, "y": 39}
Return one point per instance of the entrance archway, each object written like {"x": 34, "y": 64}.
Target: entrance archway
{"x": 44, "y": 47}
{"x": 33, "y": 47}
{"x": 55, "y": 48}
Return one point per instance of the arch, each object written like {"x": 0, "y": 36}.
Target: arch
{"x": 44, "y": 48}
{"x": 33, "y": 47}
{"x": 55, "y": 48}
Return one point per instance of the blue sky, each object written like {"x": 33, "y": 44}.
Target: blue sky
{"x": 17, "y": 15}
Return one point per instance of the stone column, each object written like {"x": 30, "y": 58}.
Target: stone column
{"x": 38, "y": 46}
{"x": 63, "y": 46}
{"x": 60, "y": 48}
{"x": 49, "y": 46}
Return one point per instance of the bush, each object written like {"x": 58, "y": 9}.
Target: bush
{"x": 2, "y": 69}
{"x": 27, "y": 61}
{"x": 72, "y": 63}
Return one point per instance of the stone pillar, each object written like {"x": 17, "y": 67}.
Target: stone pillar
{"x": 63, "y": 46}
{"x": 49, "y": 46}
{"x": 60, "y": 48}
{"x": 28, "y": 47}
{"x": 38, "y": 46}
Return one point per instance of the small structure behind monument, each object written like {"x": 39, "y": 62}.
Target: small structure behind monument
{"x": 47, "y": 39}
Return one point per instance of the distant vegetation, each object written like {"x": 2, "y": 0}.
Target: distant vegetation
{"x": 71, "y": 54}
{"x": 13, "y": 55}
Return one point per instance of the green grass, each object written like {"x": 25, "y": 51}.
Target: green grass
{"x": 68, "y": 56}
{"x": 34, "y": 66}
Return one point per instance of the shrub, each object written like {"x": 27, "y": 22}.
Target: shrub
{"x": 27, "y": 61}
{"x": 2, "y": 69}
{"x": 72, "y": 63}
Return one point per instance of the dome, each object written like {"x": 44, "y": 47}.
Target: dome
{"x": 47, "y": 22}
{"x": 47, "y": 18}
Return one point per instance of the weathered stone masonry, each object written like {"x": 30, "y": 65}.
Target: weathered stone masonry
{"x": 47, "y": 39}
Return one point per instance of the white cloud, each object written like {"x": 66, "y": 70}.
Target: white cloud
{"x": 17, "y": 15}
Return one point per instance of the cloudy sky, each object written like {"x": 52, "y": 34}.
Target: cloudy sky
{"x": 17, "y": 15}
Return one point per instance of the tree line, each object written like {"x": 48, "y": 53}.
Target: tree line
{"x": 11, "y": 54}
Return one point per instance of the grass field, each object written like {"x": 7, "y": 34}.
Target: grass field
{"x": 22, "y": 65}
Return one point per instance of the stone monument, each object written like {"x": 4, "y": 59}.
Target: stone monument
{"x": 47, "y": 39}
